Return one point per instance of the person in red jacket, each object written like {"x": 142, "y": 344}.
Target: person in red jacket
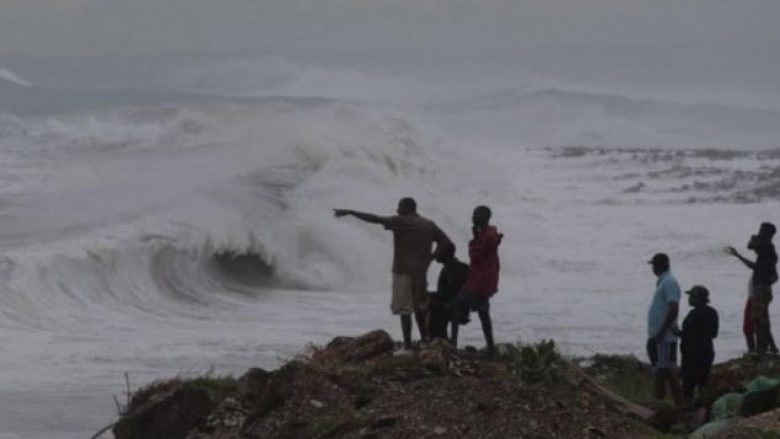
{"x": 482, "y": 279}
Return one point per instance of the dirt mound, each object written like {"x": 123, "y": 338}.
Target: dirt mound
{"x": 357, "y": 388}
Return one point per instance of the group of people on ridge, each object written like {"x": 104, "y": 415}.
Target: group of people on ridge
{"x": 700, "y": 326}
{"x": 465, "y": 288}
{"x": 461, "y": 288}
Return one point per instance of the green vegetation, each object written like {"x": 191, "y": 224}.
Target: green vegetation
{"x": 624, "y": 375}
{"x": 217, "y": 387}
{"x": 536, "y": 363}
{"x": 765, "y": 434}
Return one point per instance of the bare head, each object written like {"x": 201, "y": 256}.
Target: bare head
{"x": 767, "y": 231}
{"x": 481, "y": 216}
{"x": 406, "y": 206}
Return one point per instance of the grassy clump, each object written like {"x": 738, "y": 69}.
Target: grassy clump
{"x": 624, "y": 375}
{"x": 218, "y": 389}
{"x": 536, "y": 363}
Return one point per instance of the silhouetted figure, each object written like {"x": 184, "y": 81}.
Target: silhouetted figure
{"x": 747, "y": 320}
{"x": 413, "y": 238}
{"x": 699, "y": 328}
{"x": 451, "y": 279}
{"x": 764, "y": 275}
{"x": 482, "y": 281}
{"x": 661, "y": 328}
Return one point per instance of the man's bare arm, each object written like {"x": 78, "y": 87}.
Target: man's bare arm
{"x": 671, "y": 314}
{"x": 733, "y": 252}
{"x": 363, "y": 216}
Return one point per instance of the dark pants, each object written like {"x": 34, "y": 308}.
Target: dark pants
{"x": 439, "y": 318}
{"x": 695, "y": 371}
{"x": 762, "y": 296}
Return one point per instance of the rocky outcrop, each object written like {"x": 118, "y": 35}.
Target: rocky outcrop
{"x": 170, "y": 415}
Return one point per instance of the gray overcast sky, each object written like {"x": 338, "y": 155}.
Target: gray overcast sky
{"x": 154, "y": 26}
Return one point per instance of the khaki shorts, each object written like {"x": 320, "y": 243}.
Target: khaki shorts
{"x": 409, "y": 294}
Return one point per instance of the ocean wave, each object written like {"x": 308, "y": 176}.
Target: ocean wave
{"x": 171, "y": 211}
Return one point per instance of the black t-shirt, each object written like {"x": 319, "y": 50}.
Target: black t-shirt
{"x": 698, "y": 329}
{"x": 765, "y": 271}
{"x": 451, "y": 280}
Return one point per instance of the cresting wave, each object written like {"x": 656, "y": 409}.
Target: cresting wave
{"x": 176, "y": 210}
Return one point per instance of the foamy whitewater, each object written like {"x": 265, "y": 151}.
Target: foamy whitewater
{"x": 190, "y": 231}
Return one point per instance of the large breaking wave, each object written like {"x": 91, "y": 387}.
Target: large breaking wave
{"x": 165, "y": 209}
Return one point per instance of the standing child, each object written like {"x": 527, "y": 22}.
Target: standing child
{"x": 482, "y": 279}
{"x": 451, "y": 279}
{"x": 698, "y": 329}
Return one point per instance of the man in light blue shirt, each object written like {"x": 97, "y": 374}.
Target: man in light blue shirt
{"x": 662, "y": 329}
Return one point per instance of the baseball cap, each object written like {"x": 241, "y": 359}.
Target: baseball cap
{"x": 659, "y": 258}
{"x": 700, "y": 292}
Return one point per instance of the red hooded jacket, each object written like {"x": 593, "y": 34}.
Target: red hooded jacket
{"x": 482, "y": 280}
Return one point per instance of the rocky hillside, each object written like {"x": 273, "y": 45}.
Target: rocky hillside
{"x": 357, "y": 388}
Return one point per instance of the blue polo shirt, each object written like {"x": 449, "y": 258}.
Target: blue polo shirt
{"x": 667, "y": 290}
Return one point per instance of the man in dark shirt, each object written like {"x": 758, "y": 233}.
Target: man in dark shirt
{"x": 698, "y": 329}
{"x": 413, "y": 239}
{"x": 764, "y": 275}
{"x": 451, "y": 279}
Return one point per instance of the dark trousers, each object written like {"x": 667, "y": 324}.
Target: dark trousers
{"x": 695, "y": 371}
{"x": 439, "y": 318}
{"x": 762, "y": 296}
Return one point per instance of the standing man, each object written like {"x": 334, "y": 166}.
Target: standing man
{"x": 413, "y": 238}
{"x": 661, "y": 328}
{"x": 482, "y": 279}
{"x": 764, "y": 275}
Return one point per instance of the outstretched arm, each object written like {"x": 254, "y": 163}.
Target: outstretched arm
{"x": 367, "y": 217}
{"x": 733, "y": 252}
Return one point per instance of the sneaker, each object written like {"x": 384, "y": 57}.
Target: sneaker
{"x": 403, "y": 352}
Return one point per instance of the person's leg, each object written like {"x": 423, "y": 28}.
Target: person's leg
{"x": 672, "y": 378}
{"x": 437, "y": 322}
{"x": 421, "y": 306}
{"x": 487, "y": 329}
{"x": 770, "y": 339}
{"x": 655, "y": 352}
{"x": 454, "y": 333}
{"x": 674, "y": 386}
{"x": 403, "y": 304}
{"x": 667, "y": 361}
{"x": 406, "y": 329}
{"x": 706, "y": 367}
{"x": 460, "y": 312}
{"x": 761, "y": 317}
{"x": 747, "y": 326}
{"x": 422, "y": 324}
{"x": 688, "y": 378}
{"x": 660, "y": 384}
